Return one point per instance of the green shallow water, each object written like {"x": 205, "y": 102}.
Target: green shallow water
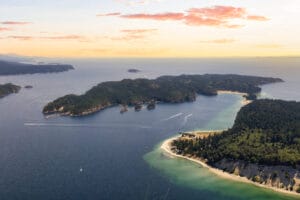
{"x": 187, "y": 174}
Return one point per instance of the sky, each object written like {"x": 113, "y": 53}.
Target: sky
{"x": 150, "y": 28}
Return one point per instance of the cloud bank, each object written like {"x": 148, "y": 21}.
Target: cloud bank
{"x": 217, "y": 16}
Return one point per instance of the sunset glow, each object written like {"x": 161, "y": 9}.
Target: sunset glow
{"x": 150, "y": 28}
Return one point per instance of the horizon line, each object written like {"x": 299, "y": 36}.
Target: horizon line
{"x": 141, "y": 57}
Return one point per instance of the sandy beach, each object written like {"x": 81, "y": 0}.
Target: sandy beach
{"x": 166, "y": 146}
{"x": 243, "y": 102}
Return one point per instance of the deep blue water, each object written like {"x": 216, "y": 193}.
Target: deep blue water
{"x": 41, "y": 158}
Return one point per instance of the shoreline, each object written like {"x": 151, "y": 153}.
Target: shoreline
{"x": 244, "y": 101}
{"x": 166, "y": 147}
{"x": 59, "y": 111}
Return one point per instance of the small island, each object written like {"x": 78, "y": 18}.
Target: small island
{"x": 166, "y": 89}
{"x": 28, "y": 86}
{"x": 262, "y": 147}
{"x": 8, "y": 88}
{"x": 133, "y": 70}
{"x": 16, "y": 68}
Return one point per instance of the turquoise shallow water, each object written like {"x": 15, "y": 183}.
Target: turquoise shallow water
{"x": 40, "y": 159}
{"x": 185, "y": 173}
{"x": 191, "y": 175}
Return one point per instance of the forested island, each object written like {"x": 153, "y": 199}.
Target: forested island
{"x": 133, "y": 70}
{"x": 167, "y": 89}
{"x": 8, "y": 88}
{"x": 263, "y": 145}
{"x": 16, "y": 68}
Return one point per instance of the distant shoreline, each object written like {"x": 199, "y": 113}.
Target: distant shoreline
{"x": 166, "y": 147}
{"x": 244, "y": 102}
{"x": 8, "y": 68}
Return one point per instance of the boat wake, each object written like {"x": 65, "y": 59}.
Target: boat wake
{"x": 173, "y": 116}
{"x": 186, "y": 118}
{"x": 86, "y": 125}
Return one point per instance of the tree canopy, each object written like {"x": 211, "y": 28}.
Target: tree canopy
{"x": 169, "y": 89}
{"x": 264, "y": 132}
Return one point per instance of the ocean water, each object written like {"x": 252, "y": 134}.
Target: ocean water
{"x": 109, "y": 155}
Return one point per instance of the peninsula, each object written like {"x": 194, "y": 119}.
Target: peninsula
{"x": 16, "y": 68}
{"x": 166, "y": 89}
{"x": 8, "y": 88}
{"x": 262, "y": 147}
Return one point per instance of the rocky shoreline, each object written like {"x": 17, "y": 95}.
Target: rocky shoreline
{"x": 61, "y": 112}
{"x": 165, "y": 89}
{"x": 282, "y": 179}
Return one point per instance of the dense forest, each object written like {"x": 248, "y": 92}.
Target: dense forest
{"x": 8, "y": 88}
{"x": 15, "y": 68}
{"x": 169, "y": 89}
{"x": 265, "y": 132}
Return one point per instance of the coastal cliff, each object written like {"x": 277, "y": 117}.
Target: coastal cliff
{"x": 263, "y": 145}
{"x": 278, "y": 176}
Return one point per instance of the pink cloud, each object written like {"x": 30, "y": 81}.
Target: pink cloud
{"x": 214, "y": 16}
{"x": 218, "y": 12}
{"x": 5, "y": 29}
{"x": 217, "y": 16}
{"x": 138, "y": 31}
{"x": 159, "y": 16}
{"x": 233, "y": 26}
{"x": 202, "y": 21}
{"x": 21, "y": 37}
{"x": 62, "y": 37}
{"x": 257, "y": 18}
{"x": 109, "y": 14}
{"x": 134, "y": 34}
